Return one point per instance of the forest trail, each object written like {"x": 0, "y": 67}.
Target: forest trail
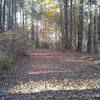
{"x": 53, "y": 75}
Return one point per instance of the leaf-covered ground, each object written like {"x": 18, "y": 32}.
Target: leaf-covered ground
{"x": 53, "y": 75}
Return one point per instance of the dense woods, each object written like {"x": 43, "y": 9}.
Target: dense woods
{"x": 70, "y": 24}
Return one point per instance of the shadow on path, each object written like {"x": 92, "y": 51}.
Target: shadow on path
{"x": 92, "y": 94}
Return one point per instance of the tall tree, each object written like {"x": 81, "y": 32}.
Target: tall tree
{"x": 14, "y": 33}
{"x": 89, "y": 43}
{"x": 3, "y": 26}
{"x": 0, "y": 16}
{"x": 98, "y": 27}
{"x": 66, "y": 22}
{"x": 75, "y": 25}
{"x": 10, "y": 14}
{"x": 71, "y": 25}
{"x": 95, "y": 27}
{"x": 80, "y": 29}
{"x": 32, "y": 27}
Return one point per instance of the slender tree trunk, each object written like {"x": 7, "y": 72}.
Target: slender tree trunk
{"x": 98, "y": 32}
{"x": 20, "y": 14}
{"x": 12, "y": 10}
{"x": 75, "y": 25}
{"x": 3, "y": 26}
{"x": 32, "y": 27}
{"x": 71, "y": 25}
{"x": 9, "y": 14}
{"x": 61, "y": 16}
{"x": 14, "y": 23}
{"x": 23, "y": 16}
{"x": 95, "y": 29}
{"x": 66, "y": 22}
{"x": 0, "y": 16}
{"x": 80, "y": 29}
{"x": 61, "y": 22}
{"x": 89, "y": 43}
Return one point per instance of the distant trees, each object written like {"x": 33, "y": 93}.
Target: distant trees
{"x": 73, "y": 24}
{"x": 75, "y": 12}
{"x": 6, "y": 14}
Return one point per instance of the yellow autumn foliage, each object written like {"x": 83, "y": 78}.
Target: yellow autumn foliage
{"x": 7, "y": 35}
{"x": 44, "y": 32}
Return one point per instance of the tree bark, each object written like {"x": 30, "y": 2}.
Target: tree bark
{"x": 71, "y": 25}
{"x": 80, "y": 29}
{"x": 3, "y": 26}
{"x": 89, "y": 43}
{"x": 66, "y": 22}
{"x": 0, "y": 16}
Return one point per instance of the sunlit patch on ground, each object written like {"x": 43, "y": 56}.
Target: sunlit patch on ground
{"x": 32, "y": 86}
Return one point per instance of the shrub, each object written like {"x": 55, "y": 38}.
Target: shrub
{"x": 5, "y": 62}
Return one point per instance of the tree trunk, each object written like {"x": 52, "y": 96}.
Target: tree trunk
{"x": 75, "y": 25}
{"x": 80, "y": 29}
{"x": 32, "y": 27}
{"x": 0, "y": 16}
{"x": 3, "y": 26}
{"x": 89, "y": 43}
{"x": 95, "y": 29}
{"x": 14, "y": 33}
{"x": 71, "y": 25}
{"x": 66, "y": 22}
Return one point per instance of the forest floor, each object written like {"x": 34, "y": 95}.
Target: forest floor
{"x": 53, "y": 75}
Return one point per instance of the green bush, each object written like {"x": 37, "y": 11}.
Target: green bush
{"x": 4, "y": 62}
